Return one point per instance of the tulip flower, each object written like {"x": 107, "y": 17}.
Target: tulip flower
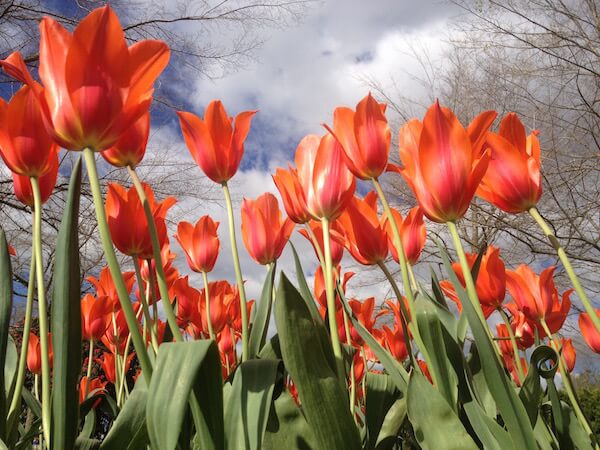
{"x": 393, "y": 340}
{"x": 223, "y": 300}
{"x": 589, "y": 332}
{"x": 129, "y": 150}
{"x": 364, "y": 313}
{"x": 94, "y": 85}
{"x": 127, "y": 221}
{"x": 490, "y": 284}
{"x": 95, "y": 316}
{"x": 513, "y": 181}
{"x": 327, "y": 183}
{"x": 291, "y": 192}
{"x": 568, "y": 353}
{"x": 537, "y": 297}
{"x": 217, "y": 142}
{"x": 92, "y": 387}
{"x": 107, "y": 364}
{"x": 115, "y": 340}
{"x": 365, "y": 137}
{"x": 34, "y": 353}
{"x": 105, "y": 287}
{"x": 200, "y": 243}
{"x": 25, "y": 145}
{"x": 336, "y": 235}
{"x": 47, "y": 182}
{"x": 412, "y": 233}
{"x": 366, "y": 238}
{"x": 320, "y": 291}
{"x": 443, "y": 161}
{"x": 263, "y": 232}
{"x": 188, "y": 301}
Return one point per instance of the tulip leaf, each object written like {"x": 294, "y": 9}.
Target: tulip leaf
{"x": 260, "y": 325}
{"x": 287, "y": 428}
{"x": 89, "y": 425}
{"x": 489, "y": 432}
{"x": 388, "y": 434}
{"x": 249, "y": 402}
{"x": 86, "y": 444}
{"x": 324, "y": 402}
{"x": 66, "y": 321}
{"x": 436, "y": 425}
{"x": 10, "y": 366}
{"x": 6, "y": 295}
{"x": 531, "y": 392}
{"x": 128, "y": 431}
{"x": 382, "y": 393}
{"x": 511, "y": 408}
{"x": 183, "y": 369}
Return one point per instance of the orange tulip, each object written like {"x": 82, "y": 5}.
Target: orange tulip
{"x": 513, "y": 181}
{"x": 336, "y": 241}
{"x": 365, "y": 137}
{"x": 187, "y": 299}
{"x": 366, "y": 238}
{"x": 200, "y": 243}
{"x": 47, "y": 182}
{"x": 129, "y": 150}
{"x": 443, "y": 162}
{"x": 364, "y": 313}
{"x": 320, "y": 291}
{"x": 216, "y": 143}
{"x": 223, "y": 297}
{"x": 127, "y": 221}
{"x": 107, "y": 364}
{"x": 34, "y": 353}
{"x": 171, "y": 273}
{"x": 589, "y": 332}
{"x": 568, "y": 353}
{"x": 327, "y": 183}
{"x": 94, "y": 86}
{"x": 412, "y": 233}
{"x": 25, "y": 146}
{"x": 95, "y": 316}
{"x": 263, "y": 231}
{"x": 393, "y": 340}
{"x": 537, "y": 297}
{"x": 105, "y": 286}
{"x": 291, "y": 192}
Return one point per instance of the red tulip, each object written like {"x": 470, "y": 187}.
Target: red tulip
{"x": 365, "y": 137}
{"x": 364, "y": 313}
{"x": 222, "y": 300}
{"x": 568, "y": 353}
{"x": 393, "y": 340}
{"x": 129, "y": 150}
{"x": 513, "y": 181}
{"x": 25, "y": 145}
{"x": 96, "y": 387}
{"x": 443, "y": 162}
{"x": 291, "y": 192}
{"x": 94, "y": 86}
{"x": 115, "y": 340}
{"x": 336, "y": 239}
{"x": 47, "y": 181}
{"x": 320, "y": 291}
{"x": 200, "y": 243}
{"x": 263, "y": 231}
{"x": 327, "y": 183}
{"x": 171, "y": 273}
{"x": 366, "y": 238}
{"x": 216, "y": 143}
{"x": 34, "y": 353}
{"x": 589, "y": 332}
{"x": 412, "y": 233}
{"x": 127, "y": 221}
{"x": 188, "y": 300}
{"x": 95, "y": 316}
{"x": 105, "y": 286}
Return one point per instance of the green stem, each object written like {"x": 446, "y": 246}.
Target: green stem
{"x": 123, "y": 373}
{"x": 43, "y": 313}
{"x": 16, "y": 399}
{"x": 329, "y": 289}
{"x": 89, "y": 368}
{"x": 154, "y": 301}
{"x": 318, "y": 249}
{"x": 238, "y": 272}
{"x": 144, "y": 301}
{"x": 564, "y": 259}
{"x": 114, "y": 268}
{"x": 515, "y": 347}
{"x": 404, "y": 267}
{"x": 211, "y": 332}
{"x": 352, "y": 380}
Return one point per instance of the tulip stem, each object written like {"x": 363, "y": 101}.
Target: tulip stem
{"x": 515, "y": 347}
{"x": 211, "y": 331}
{"x": 16, "y": 399}
{"x": 89, "y": 368}
{"x": 43, "y": 313}
{"x": 566, "y": 379}
{"x": 238, "y": 271}
{"x": 318, "y": 249}
{"x": 113, "y": 265}
{"x": 144, "y": 302}
{"x": 330, "y": 291}
{"x": 160, "y": 271}
{"x": 568, "y": 267}
{"x": 404, "y": 267}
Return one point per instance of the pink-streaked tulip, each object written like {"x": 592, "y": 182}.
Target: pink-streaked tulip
{"x": 291, "y": 192}
{"x": 95, "y": 316}
{"x": 365, "y": 137}
{"x": 216, "y": 143}
{"x": 412, "y": 233}
{"x": 327, "y": 183}
{"x": 46, "y": 181}
{"x": 443, "y": 161}
{"x": 589, "y": 332}
{"x": 129, "y": 150}
{"x": 263, "y": 231}
{"x": 513, "y": 181}
{"x": 200, "y": 243}
{"x": 568, "y": 353}
{"x": 366, "y": 239}
{"x": 336, "y": 239}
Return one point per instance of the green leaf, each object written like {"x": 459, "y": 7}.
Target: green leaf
{"x": 287, "y": 428}
{"x": 388, "y": 434}
{"x": 382, "y": 393}
{"x": 183, "y": 368}
{"x": 86, "y": 444}
{"x": 89, "y": 425}
{"x": 249, "y": 402}
{"x": 260, "y": 326}
{"x": 489, "y": 432}
{"x": 324, "y": 403}
{"x": 436, "y": 425}
{"x": 66, "y": 322}
{"x": 128, "y": 431}
{"x": 10, "y": 366}
{"x": 6, "y": 294}
{"x": 531, "y": 392}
